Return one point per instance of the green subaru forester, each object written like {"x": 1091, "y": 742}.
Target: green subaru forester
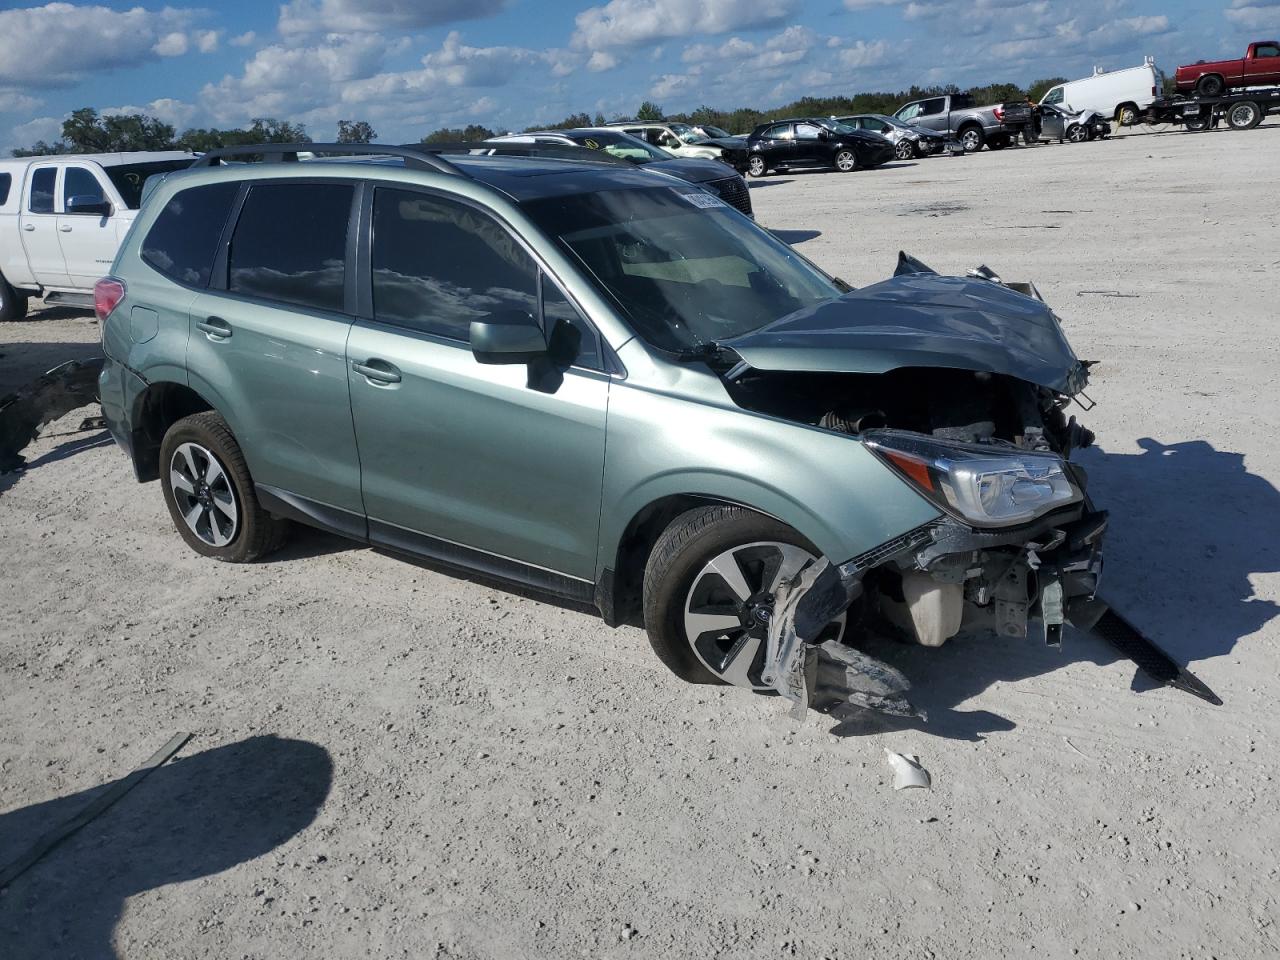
{"x": 602, "y": 384}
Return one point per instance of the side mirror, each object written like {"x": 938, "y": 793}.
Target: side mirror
{"x": 88, "y": 204}
{"x": 510, "y": 336}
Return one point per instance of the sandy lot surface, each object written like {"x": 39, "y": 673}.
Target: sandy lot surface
{"x": 388, "y": 761}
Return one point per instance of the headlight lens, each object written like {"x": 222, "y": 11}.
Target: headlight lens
{"x": 983, "y": 484}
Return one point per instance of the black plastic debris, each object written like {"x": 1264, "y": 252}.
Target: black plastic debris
{"x": 66, "y": 387}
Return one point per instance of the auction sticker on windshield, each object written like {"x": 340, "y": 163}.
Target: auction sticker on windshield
{"x": 704, "y": 200}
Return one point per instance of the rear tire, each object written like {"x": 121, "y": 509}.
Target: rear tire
{"x": 210, "y": 494}
{"x": 1244, "y": 115}
{"x": 13, "y": 304}
{"x": 1210, "y": 85}
{"x": 997, "y": 143}
{"x": 677, "y": 573}
{"x": 971, "y": 138}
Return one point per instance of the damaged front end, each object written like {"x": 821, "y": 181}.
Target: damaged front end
{"x": 961, "y": 387}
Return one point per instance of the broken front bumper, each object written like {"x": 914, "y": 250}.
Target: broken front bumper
{"x": 936, "y": 581}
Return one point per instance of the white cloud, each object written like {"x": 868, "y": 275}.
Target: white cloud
{"x": 60, "y": 43}
{"x": 601, "y": 60}
{"x": 1253, "y": 14}
{"x": 171, "y": 44}
{"x": 243, "y": 40}
{"x": 47, "y": 129}
{"x": 206, "y": 41}
{"x": 628, "y": 23}
{"x": 372, "y": 16}
{"x": 15, "y": 101}
{"x": 178, "y": 113}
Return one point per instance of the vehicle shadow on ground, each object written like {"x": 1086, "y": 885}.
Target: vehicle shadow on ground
{"x": 305, "y": 542}
{"x": 1189, "y": 526}
{"x": 192, "y": 818}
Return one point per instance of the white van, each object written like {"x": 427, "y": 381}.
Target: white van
{"x": 1122, "y": 94}
{"x": 62, "y": 218}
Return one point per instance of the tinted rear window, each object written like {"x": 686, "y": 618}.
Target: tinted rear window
{"x": 6, "y": 181}
{"x": 290, "y": 244}
{"x": 128, "y": 179}
{"x": 183, "y": 241}
{"x": 42, "y": 184}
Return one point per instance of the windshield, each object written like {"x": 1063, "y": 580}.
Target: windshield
{"x": 129, "y": 178}
{"x": 836, "y": 126}
{"x": 711, "y": 131}
{"x": 686, "y": 133}
{"x": 686, "y": 269}
{"x": 619, "y": 144}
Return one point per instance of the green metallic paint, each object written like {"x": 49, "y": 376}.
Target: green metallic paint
{"x": 470, "y": 453}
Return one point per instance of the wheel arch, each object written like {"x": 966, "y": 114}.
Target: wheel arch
{"x": 162, "y": 404}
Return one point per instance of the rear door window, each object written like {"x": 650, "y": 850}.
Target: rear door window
{"x": 290, "y": 244}
{"x": 931, "y": 107}
{"x": 439, "y": 264}
{"x": 183, "y": 241}
{"x": 43, "y": 182}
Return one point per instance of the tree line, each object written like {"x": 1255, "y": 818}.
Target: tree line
{"x": 87, "y": 132}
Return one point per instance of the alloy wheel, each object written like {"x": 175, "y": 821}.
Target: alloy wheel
{"x": 1078, "y": 134}
{"x": 904, "y": 150}
{"x": 845, "y": 161}
{"x": 1242, "y": 115}
{"x": 756, "y": 166}
{"x": 204, "y": 495}
{"x": 972, "y": 141}
{"x": 729, "y": 606}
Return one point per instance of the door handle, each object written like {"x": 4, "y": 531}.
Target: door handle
{"x": 28, "y": 227}
{"x": 215, "y": 328}
{"x": 65, "y": 228}
{"x": 377, "y": 371}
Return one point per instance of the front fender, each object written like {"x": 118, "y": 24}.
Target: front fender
{"x": 826, "y": 486}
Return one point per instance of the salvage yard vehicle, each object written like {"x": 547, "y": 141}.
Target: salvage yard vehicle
{"x": 1241, "y": 109}
{"x": 684, "y": 140}
{"x": 612, "y": 389}
{"x": 957, "y": 115}
{"x": 1259, "y": 67}
{"x": 711, "y": 175}
{"x": 809, "y": 143}
{"x": 1120, "y": 94}
{"x": 62, "y": 219}
{"x": 1061, "y": 125}
{"x": 908, "y": 142}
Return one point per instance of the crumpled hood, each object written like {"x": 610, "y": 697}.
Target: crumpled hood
{"x": 921, "y": 320}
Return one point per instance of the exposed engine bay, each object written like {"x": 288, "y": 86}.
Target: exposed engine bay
{"x": 1017, "y": 546}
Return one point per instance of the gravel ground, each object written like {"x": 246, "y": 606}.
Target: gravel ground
{"x": 388, "y": 761}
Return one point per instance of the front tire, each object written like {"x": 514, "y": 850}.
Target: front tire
{"x": 709, "y": 587}
{"x": 210, "y": 494}
{"x": 904, "y": 150}
{"x": 1126, "y": 115}
{"x": 845, "y": 161}
{"x": 13, "y": 305}
{"x": 756, "y": 166}
{"x": 1078, "y": 133}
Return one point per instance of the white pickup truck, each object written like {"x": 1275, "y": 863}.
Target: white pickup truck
{"x": 62, "y": 218}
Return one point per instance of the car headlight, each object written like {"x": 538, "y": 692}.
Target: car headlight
{"x": 986, "y": 485}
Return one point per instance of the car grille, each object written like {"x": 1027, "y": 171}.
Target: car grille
{"x": 733, "y": 191}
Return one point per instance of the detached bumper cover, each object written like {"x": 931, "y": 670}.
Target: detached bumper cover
{"x": 67, "y": 387}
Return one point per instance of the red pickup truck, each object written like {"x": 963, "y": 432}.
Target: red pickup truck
{"x": 1259, "y": 67}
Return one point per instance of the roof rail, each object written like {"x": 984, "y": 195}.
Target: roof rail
{"x": 414, "y": 156}
{"x": 522, "y": 148}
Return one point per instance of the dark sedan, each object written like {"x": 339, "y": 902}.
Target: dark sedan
{"x": 807, "y": 142}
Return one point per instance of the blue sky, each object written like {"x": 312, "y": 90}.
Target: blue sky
{"x": 410, "y": 66}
